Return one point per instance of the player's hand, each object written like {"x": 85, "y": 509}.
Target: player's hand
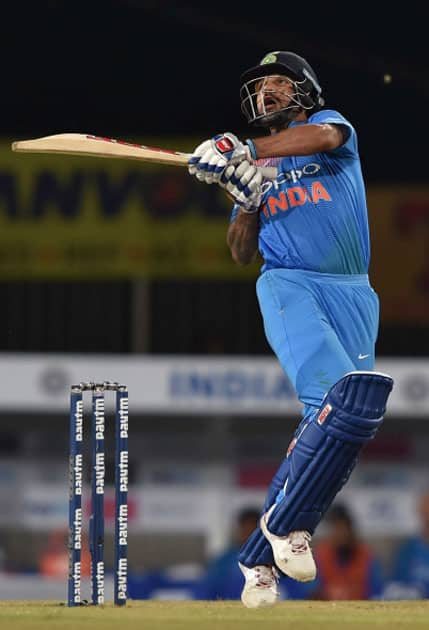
{"x": 244, "y": 183}
{"x": 211, "y": 157}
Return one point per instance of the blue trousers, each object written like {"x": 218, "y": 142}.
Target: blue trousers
{"x": 320, "y": 327}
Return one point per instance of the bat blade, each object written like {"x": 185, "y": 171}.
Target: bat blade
{"x": 87, "y": 144}
{"x": 98, "y": 146}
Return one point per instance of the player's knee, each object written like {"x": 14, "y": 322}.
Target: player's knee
{"x": 354, "y": 407}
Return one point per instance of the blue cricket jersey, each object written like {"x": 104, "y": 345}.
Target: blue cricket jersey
{"x": 314, "y": 215}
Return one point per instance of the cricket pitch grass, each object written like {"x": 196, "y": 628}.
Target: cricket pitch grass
{"x": 185, "y": 615}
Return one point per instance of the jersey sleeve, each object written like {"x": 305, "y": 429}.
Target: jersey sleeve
{"x": 330, "y": 116}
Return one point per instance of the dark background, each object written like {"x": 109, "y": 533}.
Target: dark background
{"x": 135, "y": 67}
{"x": 130, "y": 68}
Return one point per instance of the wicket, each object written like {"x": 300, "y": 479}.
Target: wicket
{"x": 96, "y": 521}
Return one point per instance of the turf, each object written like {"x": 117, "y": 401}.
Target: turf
{"x": 216, "y": 615}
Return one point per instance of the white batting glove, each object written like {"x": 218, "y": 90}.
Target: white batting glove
{"x": 210, "y": 158}
{"x": 244, "y": 184}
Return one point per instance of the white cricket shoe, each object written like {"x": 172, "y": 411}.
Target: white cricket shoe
{"x": 261, "y": 586}
{"x": 292, "y": 553}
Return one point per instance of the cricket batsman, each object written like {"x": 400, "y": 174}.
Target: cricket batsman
{"x": 320, "y": 313}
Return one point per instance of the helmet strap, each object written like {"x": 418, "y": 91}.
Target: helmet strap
{"x": 279, "y": 119}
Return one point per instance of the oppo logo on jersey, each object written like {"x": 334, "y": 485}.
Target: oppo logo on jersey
{"x": 294, "y": 196}
{"x": 295, "y": 174}
{"x": 278, "y": 201}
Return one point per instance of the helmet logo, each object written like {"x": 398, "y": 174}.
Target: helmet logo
{"x": 270, "y": 58}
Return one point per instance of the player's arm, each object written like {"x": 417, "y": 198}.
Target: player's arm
{"x": 299, "y": 140}
{"x": 243, "y": 183}
{"x": 210, "y": 158}
{"x": 242, "y": 237}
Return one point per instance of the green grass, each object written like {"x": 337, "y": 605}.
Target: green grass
{"x": 185, "y": 615}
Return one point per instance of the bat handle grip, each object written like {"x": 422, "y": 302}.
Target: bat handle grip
{"x": 269, "y": 172}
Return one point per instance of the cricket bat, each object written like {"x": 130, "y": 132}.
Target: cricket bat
{"x": 97, "y": 146}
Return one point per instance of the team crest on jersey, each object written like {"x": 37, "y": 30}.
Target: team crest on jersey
{"x": 324, "y": 414}
{"x": 270, "y": 58}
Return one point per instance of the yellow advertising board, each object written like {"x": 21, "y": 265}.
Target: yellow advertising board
{"x": 72, "y": 217}
{"x": 399, "y": 220}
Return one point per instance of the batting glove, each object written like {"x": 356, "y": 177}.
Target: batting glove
{"x": 244, "y": 184}
{"x": 211, "y": 157}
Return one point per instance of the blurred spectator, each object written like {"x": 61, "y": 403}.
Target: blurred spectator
{"x": 54, "y": 560}
{"x": 347, "y": 567}
{"x": 411, "y": 563}
{"x": 223, "y": 578}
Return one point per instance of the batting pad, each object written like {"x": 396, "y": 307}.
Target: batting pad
{"x": 324, "y": 455}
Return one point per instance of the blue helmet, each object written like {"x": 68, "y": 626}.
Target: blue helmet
{"x": 307, "y": 95}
